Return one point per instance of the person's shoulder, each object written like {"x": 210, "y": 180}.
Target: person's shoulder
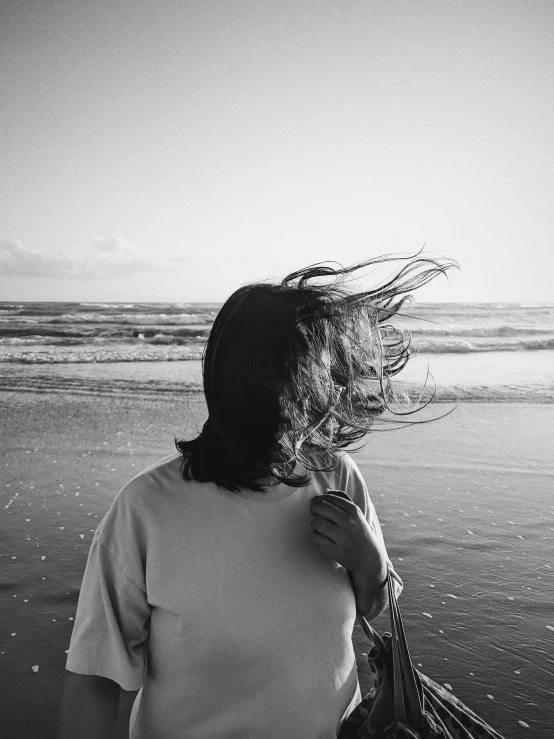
{"x": 350, "y": 479}
{"x": 340, "y": 468}
{"x": 160, "y": 479}
{"x": 158, "y": 473}
{"x": 345, "y": 458}
{"x": 142, "y": 500}
{"x": 346, "y": 464}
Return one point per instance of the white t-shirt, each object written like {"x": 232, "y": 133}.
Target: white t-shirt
{"x": 221, "y": 608}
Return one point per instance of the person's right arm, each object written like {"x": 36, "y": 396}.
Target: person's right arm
{"x": 88, "y": 707}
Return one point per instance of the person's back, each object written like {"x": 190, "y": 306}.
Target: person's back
{"x": 224, "y": 581}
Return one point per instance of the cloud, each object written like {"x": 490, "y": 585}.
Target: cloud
{"x": 110, "y": 256}
{"x": 118, "y": 256}
{"x": 17, "y": 260}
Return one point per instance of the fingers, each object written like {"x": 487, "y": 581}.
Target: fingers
{"x": 340, "y": 493}
{"x": 335, "y": 523}
{"x": 322, "y": 527}
{"x": 324, "y": 544}
{"x": 332, "y": 498}
{"x": 339, "y": 499}
{"x": 325, "y": 509}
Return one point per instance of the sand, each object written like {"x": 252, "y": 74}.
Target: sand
{"x": 466, "y": 506}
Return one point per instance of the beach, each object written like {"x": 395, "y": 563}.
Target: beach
{"x": 465, "y": 503}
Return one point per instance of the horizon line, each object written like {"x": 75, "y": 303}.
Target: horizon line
{"x": 221, "y": 302}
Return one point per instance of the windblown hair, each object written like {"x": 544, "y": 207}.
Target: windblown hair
{"x": 302, "y": 366}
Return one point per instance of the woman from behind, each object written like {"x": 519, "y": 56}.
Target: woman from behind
{"x": 224, "y": 581}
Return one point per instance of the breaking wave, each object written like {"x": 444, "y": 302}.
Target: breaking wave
{"x": 464, "y": 346}
{"x": 186, "y": 344}
{"x": 100, "y": 356}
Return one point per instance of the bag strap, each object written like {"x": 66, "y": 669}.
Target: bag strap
{"x": 413, "y": 693}
{"x": 399, "y": 698}
{"x": 407, "y": 695}
{"x": 371, "y": 634}
{"x": 368, "y": 629}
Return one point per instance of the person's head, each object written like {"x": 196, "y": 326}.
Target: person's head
{"x": 301, "y": 365}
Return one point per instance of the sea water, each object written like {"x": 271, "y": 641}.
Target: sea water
{"x": 472, "y": 351}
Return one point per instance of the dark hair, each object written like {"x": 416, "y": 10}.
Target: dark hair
{"x": 305, "y": 364}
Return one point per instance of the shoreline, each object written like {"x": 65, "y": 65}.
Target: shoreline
{"x": 501, "y": 377}
{"x": 193, "y": 391}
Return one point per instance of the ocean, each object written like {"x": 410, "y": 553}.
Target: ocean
{"x": 473, "y": 351}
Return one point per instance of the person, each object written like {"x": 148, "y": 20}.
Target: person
{"x": 225, "y": 580}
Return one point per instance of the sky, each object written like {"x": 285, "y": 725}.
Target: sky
{"x": 174, "y": 150}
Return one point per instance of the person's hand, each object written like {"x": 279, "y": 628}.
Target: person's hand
{"x": 340, "y": 530}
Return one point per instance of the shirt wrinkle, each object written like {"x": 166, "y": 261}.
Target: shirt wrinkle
{"x": 119, "y": 568}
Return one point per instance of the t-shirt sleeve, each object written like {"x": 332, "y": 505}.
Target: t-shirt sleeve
{"x": 356, "y": 487}
{"x": 111, "y": 625}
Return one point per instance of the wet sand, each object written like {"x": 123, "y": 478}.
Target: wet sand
{"x": 466, "y": 506}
